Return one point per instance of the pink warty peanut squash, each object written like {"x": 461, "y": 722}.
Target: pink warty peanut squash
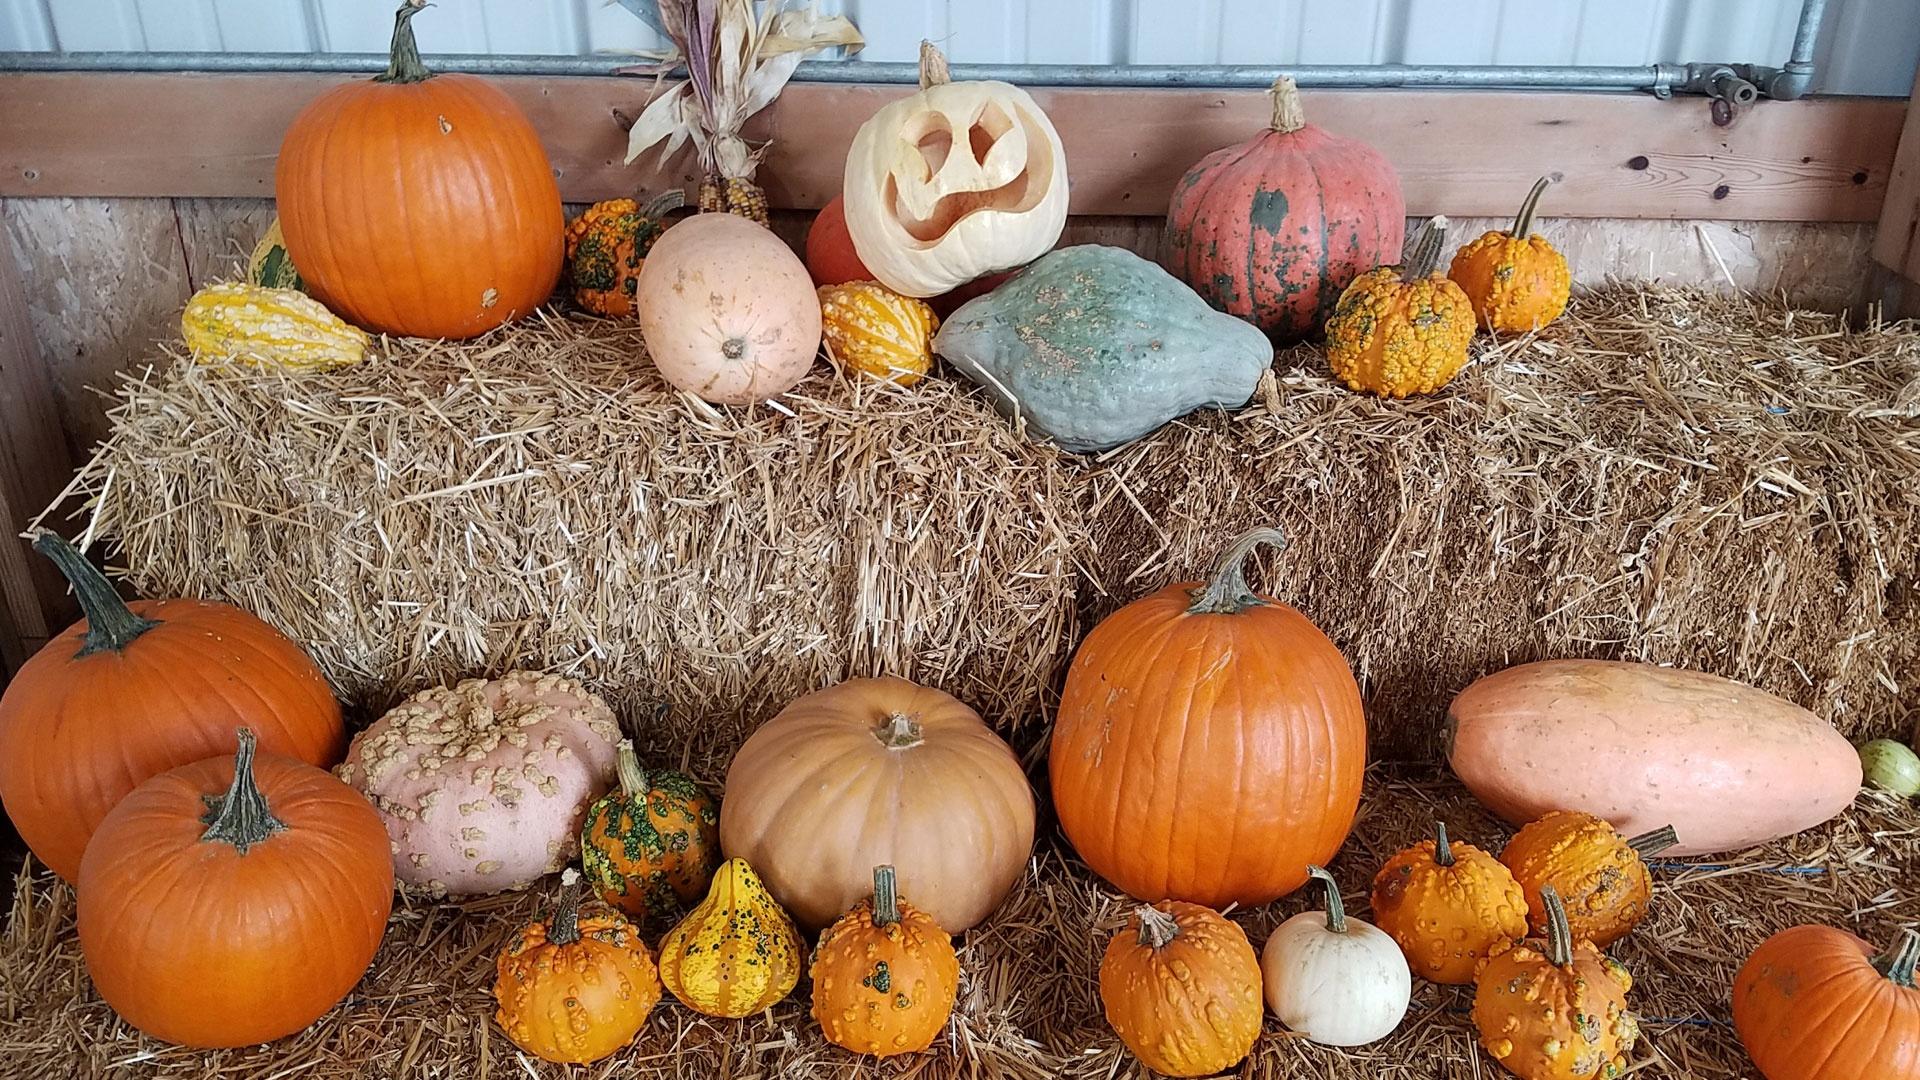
{"x": 1726, "y": 764}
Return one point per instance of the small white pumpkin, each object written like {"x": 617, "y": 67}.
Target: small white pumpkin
{"x": 1336, "y": 980}
{"x": 958, "y": 181}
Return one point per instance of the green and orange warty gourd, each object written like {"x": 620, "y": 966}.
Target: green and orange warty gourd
{"x": 735, "y": 954}
{"x": 1449, "y": 905}
{"x": 1555, "y": 1008}
{"x": 1515, "y": 280}
{"x": 606, "y": 246}
{"x": 651, "y": 845}
{"x": 1181, "y": 987}
{"x": 576, "y": 986}
{"x": 1404, "y": 329}
{"x": 884, "y": 976}
{"x": 1600, "y": 875}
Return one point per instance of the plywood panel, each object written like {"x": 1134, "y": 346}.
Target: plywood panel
{"x": 1897, "y": 245}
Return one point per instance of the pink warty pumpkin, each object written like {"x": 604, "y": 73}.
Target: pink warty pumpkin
{"x": 1272, "y": 229}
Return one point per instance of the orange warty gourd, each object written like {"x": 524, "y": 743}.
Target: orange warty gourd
{"x": 420, "y": 204}
{"x": 1599, "y": 874}
{"x": 1555, "y": 1008}
{"x": 234, "y": 900}
{"x": 1449, "y": 906}
{"x": 1206, "y": 695}
{"x": 575, "y": 986}
{"x": 1181, "y": 987}
{"x": 1815, "y": 1003}
{"x": 133, "y": 690}
{"x": 1515, "y": 280}
{"x": 1405, "y": 329}
{"x": 884, "y": 976}
{"x": 1272, "y": 229}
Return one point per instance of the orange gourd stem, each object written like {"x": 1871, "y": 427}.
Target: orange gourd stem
{"x": 1336, "y": 907}
{"x": 1900, "y": 960}
{"x": 886, "y": 897}
{"x": 1523, "y": 221}
{"x": 403, "y": 62}
{"x": 1226, "y": 593}
{"x": 1423, "y": 251}
{"x": 563, "y": 926}
{"x": 1559, "y": 934}
{"x": 1654, "y": 842}
{"x": 1157, "y": 928}
{"x": 1442, "y": 851}
{"x": 241, "y": 817}
{"x": 111, "y": 625}
{"x": 1288, "y": 116}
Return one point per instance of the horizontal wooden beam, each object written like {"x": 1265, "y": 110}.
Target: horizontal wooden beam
{"x": 1458, "y": 152}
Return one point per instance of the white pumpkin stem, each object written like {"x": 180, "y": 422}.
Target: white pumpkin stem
{"x": 1654, "y": 842}
{"x": 633, "y": 779}
{"x": 1157, "y": 928}
{"x": 1523, "y": 221}
{"x": 933, "y": 66}
{"x": 1442, "y": 851}
{"x": 1900, "y": 960}
{"x": 241, "y": 817}
{"x": 1559, "y": 934}
{"x": 1227, "y": 593}
{"x": 563, "y": 926}
{"x": 111, "y": 624}
{"x": 1288, "y": 116}
{"x": 886, "y": 897}
{"x": 899, "y": 732}
{"x": 1336, "y": 907}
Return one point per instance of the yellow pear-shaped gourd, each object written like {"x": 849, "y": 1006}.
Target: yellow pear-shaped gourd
{"x": 737, "y": 953}
{"x": 277, "y": 329}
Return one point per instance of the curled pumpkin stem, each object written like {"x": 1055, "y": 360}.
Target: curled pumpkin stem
{"x": 1559, "y": 934}
{"x": 1157, "y": 928}
{"x": 1654, "y": 842}
{"x": 1336, "y": 907}
{"x": 111, "y": 624}
{"x": 1900, "y": 960}
{"x": 403, "y": 60}
{"x": 1523, "y": 221}
{"x": 1227, "y": 593}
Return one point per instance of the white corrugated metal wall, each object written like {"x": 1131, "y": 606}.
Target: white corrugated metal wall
{"x": 1870, "y": 46}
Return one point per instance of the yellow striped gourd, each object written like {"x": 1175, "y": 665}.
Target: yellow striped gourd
{"x": 268, "y": 328}
{"x": 876, "y": 331}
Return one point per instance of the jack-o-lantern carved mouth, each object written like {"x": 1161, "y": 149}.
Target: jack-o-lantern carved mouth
{"x": 1005, "y": 163}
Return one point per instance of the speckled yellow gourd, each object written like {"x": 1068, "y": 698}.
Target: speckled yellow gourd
{"x": 270, "y": 265}
{"x": 1555, "y": 1008}
{"x": 885, "y": 975}
{"x": 268, "y": 328}
{"x": 1515, "y": 280}
{"x": 1402, "y": 330}
{"x": 575, "y": 987}
{"x": 1449, "y": 906}
{"x": 735, "y": 954}
{"x": 1600, "y": 875}
{"x": 875, "y": 331}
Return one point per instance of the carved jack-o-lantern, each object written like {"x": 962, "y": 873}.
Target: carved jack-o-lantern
{"x": 955, "y": 182}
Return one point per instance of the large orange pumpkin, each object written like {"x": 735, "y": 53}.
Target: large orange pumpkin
{"x": 420, "y": 204}
{"x": 1209, "y": 743}
{"x": 1814, "y": 1003}
{"x": 234, "y": 900}
{"x": 133, "y": 690}
{"x": 1272, "y": 229}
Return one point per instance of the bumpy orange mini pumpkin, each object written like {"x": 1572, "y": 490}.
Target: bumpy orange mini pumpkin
{"x": 884, "y": 976}
{"x": 607, "y": 245}
{"x": 1515, "y": 280}
{"x": 1599, "y": 873}
{"x": 652, "y": 844}
{"x": 575, "y": 988}
{"x": 1449, "y": 906}
{"x": 1404, "y": 329}
{"x": 1181, "y": 987}
{"x": 876, "y": 331}
{"x": 1555, "y": 1009}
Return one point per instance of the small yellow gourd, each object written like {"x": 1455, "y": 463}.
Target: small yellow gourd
{"x": 276, "y": 329}
{"x": 878, "y": 332}
{"x": 270, "y": 265}
{"x": 1404, "y": 329}
{"x": 735, "y": 954}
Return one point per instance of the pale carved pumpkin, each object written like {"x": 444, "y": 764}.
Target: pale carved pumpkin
{"x": 953, "y": 183}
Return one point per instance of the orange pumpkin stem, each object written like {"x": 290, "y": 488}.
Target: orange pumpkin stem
{"x": 403, "y": 59}
{"x": 1559, "y": 934}
{"x": 1227, "y": 592}
{"x": 1288, "y": 116}
{"x": 111, "y": 625}
{"x": 886, "y": 897}
{"x": 241, "y": 817}
{"x": 1442, "y": 851}
{"x": 933, "y": 66}
{"x": 1899, "y": 962}
{"x": 1523, "y": 221}
{"x": 1654, "y": 842}
{"x": 563, "y": 926}
{"x": 899, "y": 732}
{"x": 1336, "y": 907}
{"x": 1423, "y": 251}
{"x": 1157, "y": 928}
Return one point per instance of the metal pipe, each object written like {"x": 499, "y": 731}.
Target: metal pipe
{"x": 1793, "y": 81}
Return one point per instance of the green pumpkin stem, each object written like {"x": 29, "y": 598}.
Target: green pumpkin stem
{"x": 886, "y": 897}
{"x": 1423, "y": 251}
{"x": 1288, "y": 116}
{"x": 111, "y": 624}
{"x": 1227, "y": 592}
{"x": 1559, "y": 934}
{"x": 1157, "y": 928}
{"x": 1442, "y": 851}
{"x": 933, "y": 66}
{"x": 1900, "y": 960}
{"x": 1523, "y": 221}
{"x": 899, "y": 732}
{"x": 633, "y": 778}
{"x": 1653, "y": 843}
{"x": 403, "y": 60}
{"x": 563, "y": 926}
{"x": 241, "y": 817}
{"x": 1336, "y": 907}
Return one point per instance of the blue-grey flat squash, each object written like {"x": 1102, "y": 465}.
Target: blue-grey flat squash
{"x": 1095, "y": 347}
